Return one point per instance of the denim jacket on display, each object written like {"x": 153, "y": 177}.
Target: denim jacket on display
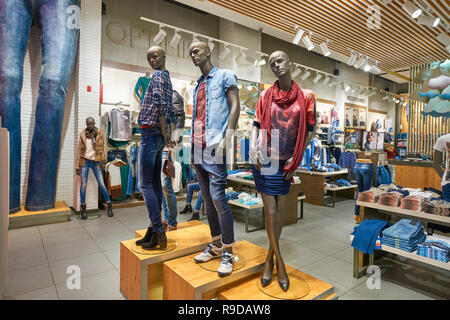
{"x": 218, "y": 82}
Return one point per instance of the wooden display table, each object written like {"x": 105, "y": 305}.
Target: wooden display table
{"x": 182, "y": 225}
{"x": 141, "y": 275}
{"x": 184, "y": 279}
{"x": 313, "y": 185}
{"x": 23, "y": 218}
{"x": 247, "y": 209}
{"x": 353, "y": 187}
{"x": 359, "y": 259}
{"x": 291, "y": 213}
{"x": 248, "y": 289}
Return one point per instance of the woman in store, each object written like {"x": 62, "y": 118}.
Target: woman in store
{"x": 91, "y": 153}
{"x": 284, "y": 125}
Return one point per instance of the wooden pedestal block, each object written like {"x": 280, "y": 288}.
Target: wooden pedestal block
{"x": 141, "y": 275}
{"x": 24, "y": 218}
{"x": 248, "y": 289}
{"x": 186, "y": 280}
{"x": 182, "y": 225}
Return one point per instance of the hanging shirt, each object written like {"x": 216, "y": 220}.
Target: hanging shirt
{"x": 199, "y": 132}
{"x": 443, "y": 145}
{"x": 90, "y": 152}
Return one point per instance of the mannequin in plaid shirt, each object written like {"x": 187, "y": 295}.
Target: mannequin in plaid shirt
{"x": 155, "y": 120}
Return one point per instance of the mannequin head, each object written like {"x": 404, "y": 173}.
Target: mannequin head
{"x": 90, "y": 124}
{"x": 280, "y": 64}
{"x": 200, "y": 53}
{"x": 156, "y": 57}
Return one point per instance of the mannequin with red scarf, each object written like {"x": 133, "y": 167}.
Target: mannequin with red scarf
{"x": 291, "y": 111}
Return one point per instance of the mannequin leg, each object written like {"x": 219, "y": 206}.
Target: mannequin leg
{"x": 281, "y": 269}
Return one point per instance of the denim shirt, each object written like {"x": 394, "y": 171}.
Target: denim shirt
{"x": 218, "y": 82}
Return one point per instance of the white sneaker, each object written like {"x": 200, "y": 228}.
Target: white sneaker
{"x": 226, "y": 266}
{"x": 211, "y": 252}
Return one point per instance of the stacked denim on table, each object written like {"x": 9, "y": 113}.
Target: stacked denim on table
{"x": 435, "y": 248}
{"x": 366, "y": 234}
{"x": 404, "y": 235}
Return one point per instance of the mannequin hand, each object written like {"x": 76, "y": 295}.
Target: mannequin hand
{"x": 191, "y": 162}
{"x": 257, "y": 160}
{"x": 77, "y": 172}
{"x": 288, "y": 175}
{"x": 221, "y": 147}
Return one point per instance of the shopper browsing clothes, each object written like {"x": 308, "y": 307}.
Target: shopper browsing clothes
{"x": 284, "y": 125}
{"x": 91, "y": 153}
{"x": 442, "y": 147}
{"x": 215, "y": 116}
{"x": 155, "y": 135}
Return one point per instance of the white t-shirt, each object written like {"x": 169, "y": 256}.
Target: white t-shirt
{"x": 443, "y": 145}
{"x": 90, "y": 152}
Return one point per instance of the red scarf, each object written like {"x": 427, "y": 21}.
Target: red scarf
{"x": 284, "y": 101}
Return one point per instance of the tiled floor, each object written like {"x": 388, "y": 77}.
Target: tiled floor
{"x": 319, "y": 244}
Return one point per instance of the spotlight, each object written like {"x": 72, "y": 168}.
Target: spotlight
{"x": 429, "y": 21}
{"x": 333, "y": 83}
{"x": 226, "y": 51}
{"x": 352, "y": 59}
{"x": 367, "y": 67}
{"x": 241, "y": 56}
{"x": 296, "y": 73}
{"x": 363, "y": 91}
{"x": 308, "y": 43}
{"x": 249, "y": 88}
{"x": 397, "y": 101}
{"x": 261, "y": 62}
{"x": 211, "y": 45}
{"x": 306, "y": 75}
{"x": 298, "y": 36}
{"x": 194, "y": 40}
{"x": 372, "y": 93}
{"x": 250, "y": 60}
{"x": 356, "y": 90}
{"x": 444, "y": 39}
{"x": 326, "y": 80}
{"x": 325, "y": 50}
{"x": 160, "y": 36}
{"x": 175, "y": 40}
{"x": 386, "y": 97}
{"x": 412, "y": 9}
{"x": 375, "y": 69}
{"x": 347, "y": 87}
{"x": 360, "y": 63}
{"x": 317, "y": 78}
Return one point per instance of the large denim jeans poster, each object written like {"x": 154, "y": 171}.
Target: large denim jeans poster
{"x": 59, "y": 40}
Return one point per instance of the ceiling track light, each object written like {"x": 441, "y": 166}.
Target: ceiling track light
{"x": 360, "y": 63}
{"x": 317, "y": 78}
{"x": 347, "y": 87}
{"x": 413, "y": 10}
{"x": 333, "y": 83}
{"x": 296, "y": 73}
{"x": 308, "y": 43}
{"x": 375, "y": 69}
{"x": 363, "y": 91}
{"x": 160, "y": 36}
{"x": 428, "y": 21}
{"x": 226, "y": 51}
{"x": 250, "y": 60}
{"x": 325, "y": 81}
{"x": 306, "y": 75}
{"x": 298, "y": 35}
{"x": 386, "y": 97}
{"x": 367, "y": 67}
{"x": 352, "y": 59}
{"x": 241, "y": 56}
{"x": 211, "y": 45}
{"x": 324, "y": 47}
{"x": 372, "y": 93}
{"x": 194, "y": 39}
{"x": 355, "y": 90}
{"x": 261, "y": 62}
{"x": 175, "y": 39}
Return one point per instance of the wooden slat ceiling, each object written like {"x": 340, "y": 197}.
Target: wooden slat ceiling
{"x": 400, "y": 42}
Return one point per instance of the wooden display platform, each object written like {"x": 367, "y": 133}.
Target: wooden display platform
{"x": 182, "y": 225}
{"x": 186, "y": 280}
{"x": 126, "y": 204}
{"x": 248, "y": 289}
{"x": 25, "y": 218}
{"x": 141, "y": 275}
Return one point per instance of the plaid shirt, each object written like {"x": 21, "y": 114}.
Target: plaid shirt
{"x": 157, "y": 101}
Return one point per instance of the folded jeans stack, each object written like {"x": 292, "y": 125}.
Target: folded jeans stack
{"x": 435, "y": 248}
{"x": 404, "y": 235}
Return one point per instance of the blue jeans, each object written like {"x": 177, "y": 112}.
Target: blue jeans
{"x": 446, "y": 192}
{"x": 212, "y": 179}
{"x": 59, "y": 47}
{"x": 170, "y": 211}
{"x": 150, "y": 166}
{"x": 84, "y": 173}
{"x": 364, "y": 177}
{"x": 190, "y": 193}
{"x": 383, "y": 176}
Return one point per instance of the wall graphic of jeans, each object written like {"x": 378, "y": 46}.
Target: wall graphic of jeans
{"x": 150, "y": 166}
{"x": 364, "y": 177}
{"x": 59, "y": 47}
{"x": 84, "y": 173}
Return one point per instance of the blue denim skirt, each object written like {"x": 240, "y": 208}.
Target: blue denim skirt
{"x": 272, "y": 184}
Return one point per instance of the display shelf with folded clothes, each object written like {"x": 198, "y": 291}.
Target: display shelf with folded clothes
{"x": 405, "y": 235}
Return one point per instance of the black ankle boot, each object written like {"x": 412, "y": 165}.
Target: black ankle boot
{"x": 187, "y": 209}
{"x": 146, "y": 238}
{"x": 110, "y": 213}
{"x": 158, "y": 238}
{"x": 195, "y": 216}
{"x": 83, "y": 212}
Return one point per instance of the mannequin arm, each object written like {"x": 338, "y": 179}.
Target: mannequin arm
{"x": 235, "y": 110}
{"x": 255, "y": 155}
{"x": 437, "y": 163}
{"x": 136, "y": 89}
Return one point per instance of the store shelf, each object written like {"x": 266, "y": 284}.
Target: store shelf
{"x": 416, "y": 214}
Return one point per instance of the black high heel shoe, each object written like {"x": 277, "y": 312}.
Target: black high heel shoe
{"x": 284, "y": 285}
{"x": 265, "y": 282}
